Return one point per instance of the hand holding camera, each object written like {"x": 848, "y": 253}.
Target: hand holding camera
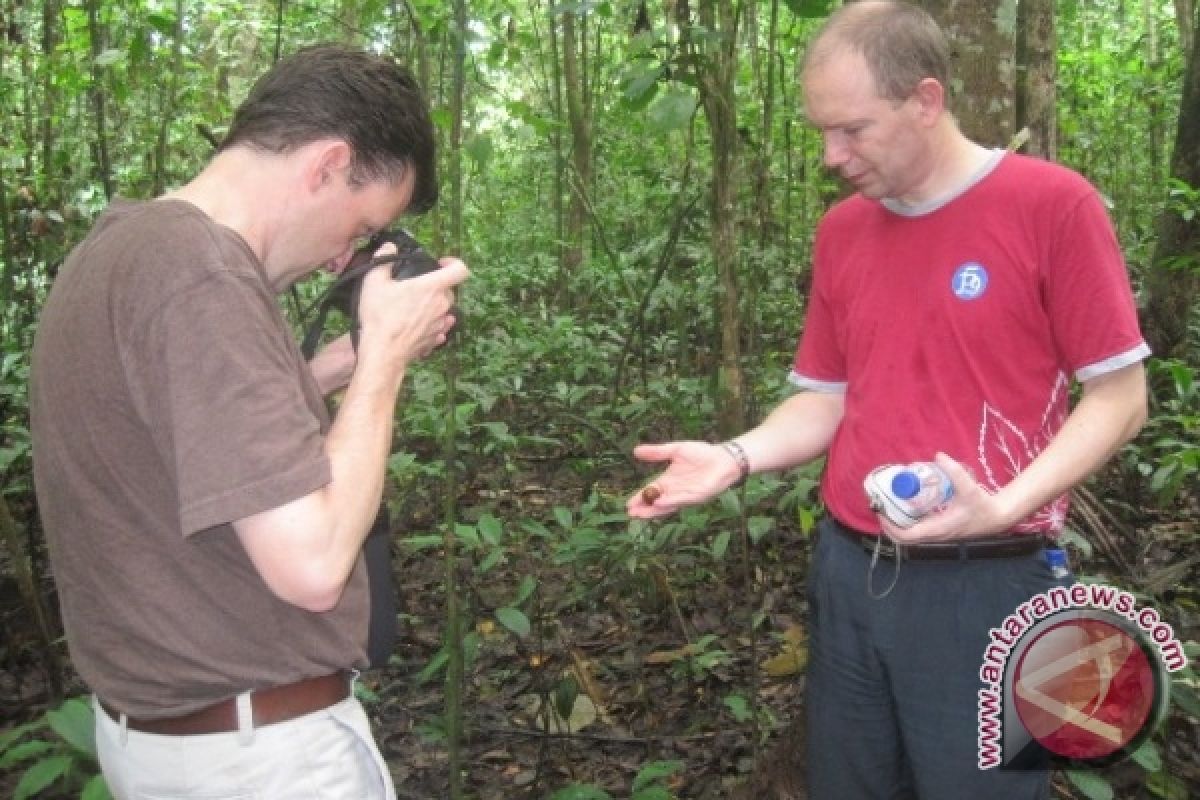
{"x": 408, "y": 260}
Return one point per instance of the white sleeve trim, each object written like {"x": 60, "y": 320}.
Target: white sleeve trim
{"x": 826, "y": 387}
{"x": 1119, "y": 361}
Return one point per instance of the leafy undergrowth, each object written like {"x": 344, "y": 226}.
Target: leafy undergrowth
{"x": 689, "y": 661}
{"x": 609, "y": 659}
{"x": 617, "y": 671}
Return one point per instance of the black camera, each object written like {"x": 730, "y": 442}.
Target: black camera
{"x": 409, "y": 261}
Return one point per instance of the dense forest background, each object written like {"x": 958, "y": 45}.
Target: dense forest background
{"x": 635, "y": 189}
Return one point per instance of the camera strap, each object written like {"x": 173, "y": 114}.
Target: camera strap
{"x": 342, "y": 295}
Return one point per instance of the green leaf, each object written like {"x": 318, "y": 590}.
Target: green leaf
{"x": 162, "y": 21}
{"x": 109, "y": 57}
{"x": 758, "y": 527}
{"x": 76, "y": 724}
{"x": 810, "y": 9}
{"x": 563, "y": 517}
{"x": 1185, "y": 697}
{"x": 655, "y": 771}
{"x": 730, "y": 501}
{"x": 24, "y": 752}
{"x": 365, "y": 694}
{"x": 467, "y": 534}
{"x": 738, "y": 706}
{"x": 96, "y": 789}
{"x": 435, "y": 665}
{"x": 564, "y": 696}
{"x": 535, "y": 528}
{"x": 673, "y": 109}
{"x": 527, "y": 587}
{"x": 41, "y": 775}
{"x": 8, "y": 737}
{"x": 641, "y": 85}
{"x": 471, "y": 647}
{"x": 491, "y": 529}
{"x": 1148, "y": 756}
{"x": 1168, "y": 787}
{"x": 575, "y": 7}
{"x": 489, "y": 561}
{"x": 8, "y": 455}
{"x": 1093, "y": 785}
{"x": 422, "y": 541}
{"x": 514, "y": 619}
{"x": 400, "y": 463}
{"x": 720, "y": 545}
{"x": 442, "y": 118}
{"x": 479, "y": 149}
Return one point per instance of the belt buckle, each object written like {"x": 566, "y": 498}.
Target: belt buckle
{"x": 885, "y": 547}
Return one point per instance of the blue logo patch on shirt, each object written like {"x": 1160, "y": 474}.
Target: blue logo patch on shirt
{"x": 970, "y": 281}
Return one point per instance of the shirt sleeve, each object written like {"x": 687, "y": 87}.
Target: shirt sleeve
{"x": 221, "y": 388}
{"x": 820, "y": 362}
{"x": 1087, "y": 291}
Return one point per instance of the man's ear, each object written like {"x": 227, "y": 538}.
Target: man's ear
{"x": 326, "y": 159}
{"x": 930, "y": 97}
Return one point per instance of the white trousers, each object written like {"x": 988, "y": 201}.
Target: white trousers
{"x": 326, "y": 755}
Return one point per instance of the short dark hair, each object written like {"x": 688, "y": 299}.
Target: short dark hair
{"x": 370, "y": 101}
{"x": 901, "y": 43}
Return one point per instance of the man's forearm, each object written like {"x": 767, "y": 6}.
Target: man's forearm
{"x": 305, "y": 550}
{"x": 799, "y": 430}
{"x": 1110, "y": 413}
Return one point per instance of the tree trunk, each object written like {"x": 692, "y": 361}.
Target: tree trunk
{"x": 455, "y": 665}
{"x": 581, "y": 144}
{"x": 1035, "y": 90}
{"x": 99, "y": 102}
{"x": 1174, "y": 273}
{"x": 1153, "y": 100}
{"x": 7, "y": 254}
{"x": 762, "y": 166}
{"x": 555, "y": 87}
{"x": 168, "y": 105}
{"x": 983, "y": 65}
{"x": 27, "y": 586}
{"x": 49, "y": 184}
{"x": 1185, "y": 15}
{"x": 717, "y": 73}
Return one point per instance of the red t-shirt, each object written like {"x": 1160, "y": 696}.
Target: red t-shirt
{"x": 957, "y": 327}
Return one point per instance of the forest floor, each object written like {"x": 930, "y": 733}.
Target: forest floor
{"x": 687, "y": 659}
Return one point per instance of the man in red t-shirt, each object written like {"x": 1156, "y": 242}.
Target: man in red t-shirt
{"x": 954, "y": 297}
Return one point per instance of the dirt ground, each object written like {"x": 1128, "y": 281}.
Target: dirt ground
{"x": 612, "y": 653}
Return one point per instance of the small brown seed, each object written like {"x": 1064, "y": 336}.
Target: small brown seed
{"x": 651, "y": 493}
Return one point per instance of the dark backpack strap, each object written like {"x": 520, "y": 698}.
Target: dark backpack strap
{"x": 343, "y": 294}
{"x": 381, "y": 628}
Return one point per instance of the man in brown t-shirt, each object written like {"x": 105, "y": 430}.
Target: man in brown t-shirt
{"x": 205, "y": 517}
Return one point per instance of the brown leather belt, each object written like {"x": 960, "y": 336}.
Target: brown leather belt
{"x": 269, "y": 706}
{"x": 1014, "y": 546}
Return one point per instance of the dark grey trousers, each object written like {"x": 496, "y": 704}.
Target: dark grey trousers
{"x": 892, "y": 683}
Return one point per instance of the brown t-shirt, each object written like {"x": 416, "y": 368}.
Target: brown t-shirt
{"x": 168, "y": 399}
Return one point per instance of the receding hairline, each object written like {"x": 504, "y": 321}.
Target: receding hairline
{"x": 836, "y": 36}
{"x": 901, "y": 44}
